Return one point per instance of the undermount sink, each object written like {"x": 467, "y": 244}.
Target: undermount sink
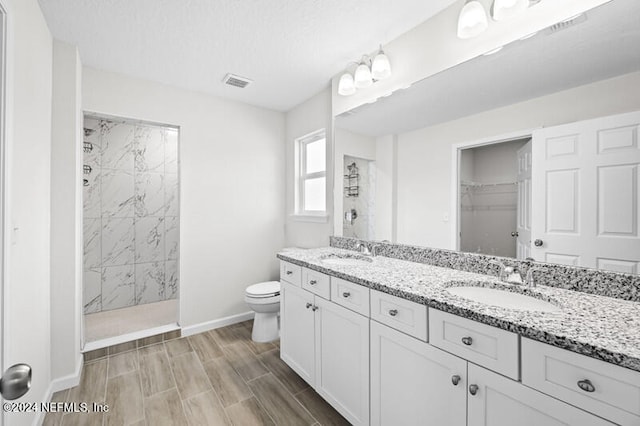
{"x": 503, "y": 298}
{"x": 335, "y": 260}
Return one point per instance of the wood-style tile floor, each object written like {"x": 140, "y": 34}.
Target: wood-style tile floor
{"x": 220, "y": 377}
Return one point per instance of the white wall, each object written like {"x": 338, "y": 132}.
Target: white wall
{"x": 66, "y": 211}
{"x": 27, "y": 276}
{"x": 232, "y": 187}
{"x": 425, "y": 155}
{"x": 433, "y": 46}
{"x": 311, "y": 115}
{"x": 386, "y": 188}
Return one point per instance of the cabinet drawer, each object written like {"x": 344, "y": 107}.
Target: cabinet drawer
{"x": 350, "y": 295}
{"x": 403, "y": 315}
{"x": 479, "y": 343}
{"x": 316, "y": 282}
{"x": 607, "y": 390}
{"x": 290, "y": 273}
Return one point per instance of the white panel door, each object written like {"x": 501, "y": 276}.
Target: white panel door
{"x": 342, "y": 360}
{"x": 499, "y": 401}
{"x": 297, "y": 343}
{"x": 412, "y": 382}
{"x": 586, "y": 192}
{"x": 523, "y": 222}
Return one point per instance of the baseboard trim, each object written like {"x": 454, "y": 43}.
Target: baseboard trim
{"x": 61, "y": 383}
{"x": 211, "y": 325}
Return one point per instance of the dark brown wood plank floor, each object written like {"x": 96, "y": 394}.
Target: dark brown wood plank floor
{"x": 219, "y": 377}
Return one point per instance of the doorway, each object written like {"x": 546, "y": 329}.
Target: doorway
{"x": 492, "y": 197}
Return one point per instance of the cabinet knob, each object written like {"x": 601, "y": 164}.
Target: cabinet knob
{"x": 586, "y": 385}
{"x": 309, "y": 305}
{"x": 455, "y": 380}
{"x": 315, "y": 308}
{"x": 473, "y": 389}
{"x": 538, "y": 243}
{"x": 393, "y": 312}
{"x": 515, "y": 234}
{"x": 313, "y": 282}
{"x": 289, "y": 272}
{"x": 467, "y": 340}
{"x": 346, "y": 294}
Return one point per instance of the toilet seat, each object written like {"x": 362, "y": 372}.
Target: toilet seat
{"x": 263, "y": 290}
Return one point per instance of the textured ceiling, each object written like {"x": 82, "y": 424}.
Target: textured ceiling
{"x": 603, "y": 45}
{"x": 290, "y": 48}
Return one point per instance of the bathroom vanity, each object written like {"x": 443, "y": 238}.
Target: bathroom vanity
{"x": 391, "y": 342}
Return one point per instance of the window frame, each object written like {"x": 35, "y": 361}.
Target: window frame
{"x": 302, "y": 176}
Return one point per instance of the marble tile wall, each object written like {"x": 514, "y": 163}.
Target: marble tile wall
{"x": 130, "y": 214}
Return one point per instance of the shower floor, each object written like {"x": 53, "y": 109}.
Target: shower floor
{"x": 108, "y": 324}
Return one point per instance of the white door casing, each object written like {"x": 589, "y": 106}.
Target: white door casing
{"x": 523, "y": 221}
{"x": 586, "y": 193}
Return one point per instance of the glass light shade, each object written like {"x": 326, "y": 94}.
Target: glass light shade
{"x": 381, "y": 67}
{"x": 473, "y": 20}
{"x": 363, "y": 76}
{"x": 505, "y": 9}
{"x": 346, "y": 85}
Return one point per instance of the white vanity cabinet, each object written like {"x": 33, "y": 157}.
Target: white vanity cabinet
{"x": 328, "y": 346}
{"x": 413, "y": 383}
{"x": 495, "y": 400}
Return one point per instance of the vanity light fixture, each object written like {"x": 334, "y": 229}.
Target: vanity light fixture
{"x": 346, "y": 86}
{"x": 505, "y": 9}
{"x": 363, "y": 76}
{"x": 380, "y": 67}
{"x": 472, "y": 20}
{"x": 367, "y": 72}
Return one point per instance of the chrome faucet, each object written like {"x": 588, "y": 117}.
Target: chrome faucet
{"x": 375, "y": 248}
{"x": 364, "y": 249}
{"x": 529, "y": 281}
{"x": 502, "y": 271}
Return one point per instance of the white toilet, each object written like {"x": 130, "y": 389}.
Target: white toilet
{"x": 264, "y": 299}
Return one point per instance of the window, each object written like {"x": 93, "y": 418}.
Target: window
{"x": 311, "y": 175}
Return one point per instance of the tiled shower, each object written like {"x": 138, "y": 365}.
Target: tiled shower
{"x": 130, "y": 214}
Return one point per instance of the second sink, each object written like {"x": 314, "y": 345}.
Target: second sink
{"x": 503, "y": 298}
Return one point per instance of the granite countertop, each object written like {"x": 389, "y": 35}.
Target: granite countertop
{"x": 596, "y": 326}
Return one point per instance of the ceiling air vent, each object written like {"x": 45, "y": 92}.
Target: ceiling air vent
{"x": 568, "y": 23}
{"x": 236, "y": 81}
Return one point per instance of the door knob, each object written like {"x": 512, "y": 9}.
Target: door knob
{"x": 538, "y": 243}
{"x": 15, "y": 382}
{"x": 515, "y": 234}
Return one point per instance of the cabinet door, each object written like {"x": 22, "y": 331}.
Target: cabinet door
{"x": 412, "y": 382}
{"x": 297, "y": 344}
{"x": 499, "y": 401}
{"x": 342, "y": 360}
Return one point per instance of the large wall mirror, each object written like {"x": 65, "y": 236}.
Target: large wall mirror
{"x": 529, "y": 152}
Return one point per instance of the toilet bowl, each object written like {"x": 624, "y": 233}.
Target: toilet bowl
{"x": 264, "y": 300}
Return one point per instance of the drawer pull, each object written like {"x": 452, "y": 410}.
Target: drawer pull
{"x": 473, "y": 389}
{"x": 346, "y": 294}
{"x": 393, "y": 312}
{"x": 313, "y": 282}
{"x": 289, "y": 272}
{"x": 455, "y": 380}
{"x": 467, "y": 341}
{"x": 309, "y": 305}
{"x": 586, "y": 386}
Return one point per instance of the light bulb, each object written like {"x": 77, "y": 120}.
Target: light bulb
{"x": 505, "y": 9}
{"x": 346, "y": 86}
{"x": 472, "y": 20}
{"x": 363, "y": 76}
{"x": 380, "y": 68}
